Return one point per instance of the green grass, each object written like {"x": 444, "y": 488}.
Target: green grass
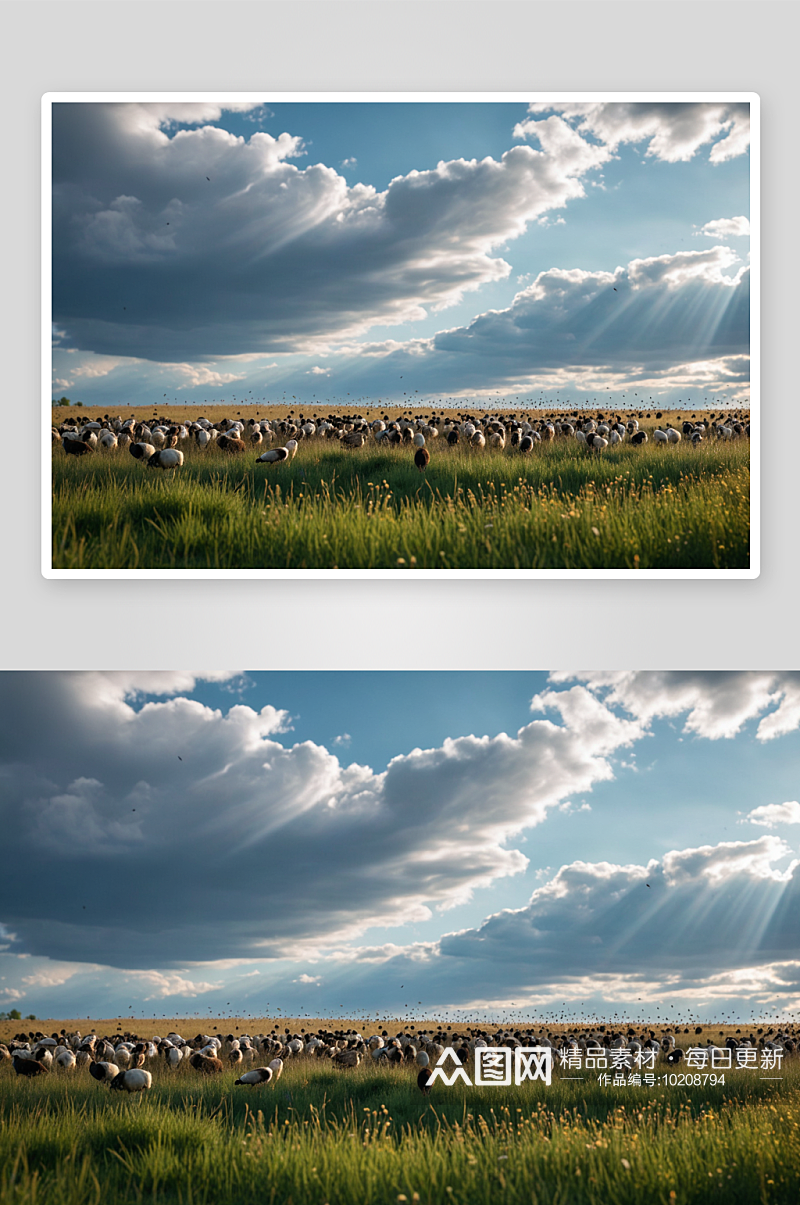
{"x": 561, "y": 507}
{"x": 367, "y": 1137}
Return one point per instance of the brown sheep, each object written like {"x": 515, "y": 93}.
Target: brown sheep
{"x": 206, "y": 1064}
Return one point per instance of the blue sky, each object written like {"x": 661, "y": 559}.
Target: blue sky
{"x": 385, "y": 843}
{"x": 485, "y": 252}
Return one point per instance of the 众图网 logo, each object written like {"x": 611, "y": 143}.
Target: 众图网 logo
{"x": 494, "y": 1065}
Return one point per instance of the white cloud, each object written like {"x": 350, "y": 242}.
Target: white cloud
{"x": 304, "y": 978}
{"x": 160, "y": 985}
{"x": 674, "y": 131}
{"x": 192, "y": 376}
{"x": 729, "y": 858}
{"x": 53, "y": 976}
{"x": 770, "y": 815}
{"x": 685, "y": 266}
{"x": 726, "y": 228}
{"x": 718, "y": 703}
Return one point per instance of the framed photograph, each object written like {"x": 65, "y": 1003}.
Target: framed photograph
{"x": 362, "y": 335}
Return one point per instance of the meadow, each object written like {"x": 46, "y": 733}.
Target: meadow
{"x": 366, "y": 1136}
{"x": 560, "y": 507}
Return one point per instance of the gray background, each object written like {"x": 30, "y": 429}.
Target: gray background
{"x": 386, "y": 45}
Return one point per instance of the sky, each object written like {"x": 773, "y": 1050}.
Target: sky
{"x": 421, "y": 844}
{"x": 496, "y": 254}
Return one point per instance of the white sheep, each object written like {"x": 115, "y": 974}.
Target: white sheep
{"x": 134, "y": 1080}
{"x": 259, "y": 1075}
{"x": 167, "y": 458}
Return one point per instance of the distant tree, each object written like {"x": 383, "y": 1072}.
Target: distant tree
{"x": 31, "y": 1017}
{"x": 61, "y": 401}
{"x": 15, "y": 1015}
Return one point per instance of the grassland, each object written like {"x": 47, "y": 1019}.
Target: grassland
{"x": 561, "y": 507}
{"x": 367, "y": 1137}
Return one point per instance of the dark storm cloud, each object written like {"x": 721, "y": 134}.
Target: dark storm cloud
{"x": 689, "y": 921}
{"x": 146, "y": 838}
{"x": 196, "y": 244}
{"x": 655, "y": 313}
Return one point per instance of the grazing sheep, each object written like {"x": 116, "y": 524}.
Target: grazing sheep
{"x": 423, "y": 1081}
{"x": 134, "y": 1080}
{"x": 141, "y": 451}
{"x": 259, "y": 1075}
{"x": 28, "y": 1067}
{"x": 76, "y": 447}
{"x": 348, "y": 1058}
{"x": 273, "y": 456}
{"x": 422, "y": 458}
{"x": 229, "y": 443}
{"x": 276, "y": 1067}
{"x": 206, "y": 1064}
{"x": 167, "y": 458}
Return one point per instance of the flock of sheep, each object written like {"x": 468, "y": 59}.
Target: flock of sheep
{"x": 122, "y": 1061}
{"x": 158, "y": 442}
